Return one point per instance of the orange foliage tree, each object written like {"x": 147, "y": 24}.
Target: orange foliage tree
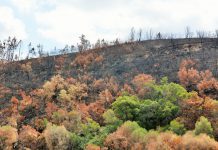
{"x": 87, "y": 58}
{"x": 92, "y": 147}
{"x": 195, "y": 107}
{"x": 59, "y": 62}
{"x": 26, "y": 101}
{"x": 8, "y": 136}
{"x": 28, "y": 137}
{"x": 50, "y": 108}
{"x": 202, "y": 81}
{"x": 188, "y": 76}
{"x": 15, "y": 114}
{"x": 96, "y": 109}
{"x": 127, "y": 88}
{"x": 139, "y": 82}
{"x": 129, "y": 136}
{"x": 99, "y": 85}
{"x": 208, "y": 86}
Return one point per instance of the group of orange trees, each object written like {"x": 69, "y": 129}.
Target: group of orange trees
{"x": 141, "y": 114}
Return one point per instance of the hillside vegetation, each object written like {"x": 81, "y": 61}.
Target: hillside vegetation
{"x": 157, "y": 94}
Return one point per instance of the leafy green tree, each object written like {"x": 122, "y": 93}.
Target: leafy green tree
{"x": 138, "y": 134}
{"x": 126, "y": 107}
{"x": 129, "y": 126}
{"x": 153, "y": 113}
{"x": 177, "y": 127}
{"x": 169, "y": 91}
{"x": 148, "y": 114}
{"x": 90, "y": 129}
{"x": 100, "y": 137}
{"x": 76, "y": 141}
{"x": 203, "y": 126}
{"x": 111, "y": 119}
{"x": 112, "y": 123}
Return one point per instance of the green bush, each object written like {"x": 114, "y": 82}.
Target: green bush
{"x": 203, "y": 126}
{"x": 126, "y": 107}
{"x": 177, "y": 127}
{"x": 111, "y": 119}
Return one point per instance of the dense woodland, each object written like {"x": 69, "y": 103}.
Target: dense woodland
{"x": 89, "y": 112}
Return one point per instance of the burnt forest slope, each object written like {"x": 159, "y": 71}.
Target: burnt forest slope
{"x": 156, "y": 57}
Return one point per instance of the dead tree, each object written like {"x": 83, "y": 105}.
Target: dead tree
{"x": 8, "y": 48}
{"x": 201, "y": 35}
{"x": 149, "y": 34}
{"x": 173, "y": 41}
{"x": 140, "y": 34}
{"x": 84, "y": 44}
{"x": 132, "y": 34}
{"x": 216, "y": 36}
{"x": 159, "y": 36}
{"x": 188, "y": 33}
